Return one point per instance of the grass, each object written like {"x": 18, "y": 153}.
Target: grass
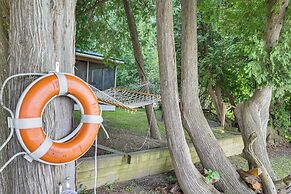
{"x": 280, "y": 164}
{"x": 137, "y": 123}
{"x": 120, "y": 119}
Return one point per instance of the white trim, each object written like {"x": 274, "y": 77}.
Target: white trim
{"x": 18, "y": 109}
{"x": 57, "y": 141}
{"x": 26, "y": 123}
{"x": 63, "y": 83}
{"x": 91, "y": 119}
{"x": 98, "y": 58}
{"x": 42, "y": 149}
{"x": 75, "y": 131}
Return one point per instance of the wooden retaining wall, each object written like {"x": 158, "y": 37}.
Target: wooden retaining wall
{"x": 116, "y": 168}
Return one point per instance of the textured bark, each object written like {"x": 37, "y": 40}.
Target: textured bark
{"x": 217, "y": 100}
{"x": 233, "y": 105}
{"x": 190, "y": 180}
{"x": 4, "y": 25}
{"x": 267, "y": 182}
{"x": 152, "y": 121}
{"x": 253, "y": 116}
{"x": 41, "y": 34}
{"x": 210, "y": 153}
{"x": 274, "y": 22}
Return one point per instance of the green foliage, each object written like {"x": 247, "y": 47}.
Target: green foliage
{"x": 231, "y": 48}
{"x": 171, "y": 179}
{"x": 280, "y": 116}
{"x": 84, "y": 191}
{"x": 105, "y": 30}
{"x": 212, "y": 176}
{"x": 109, "y": 187}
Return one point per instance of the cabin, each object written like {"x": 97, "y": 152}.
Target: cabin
{"x": 90, "y": 66}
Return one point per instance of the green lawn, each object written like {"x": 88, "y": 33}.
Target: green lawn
{"x": 280, "y": 164}
{"x": 137, "y": 122}
{"x": 120, "y": 119}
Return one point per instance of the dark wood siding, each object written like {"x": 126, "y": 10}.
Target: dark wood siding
{"x": 99, "y": 75}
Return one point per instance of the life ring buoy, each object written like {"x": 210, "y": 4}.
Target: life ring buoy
{"x": 28, "y": 119}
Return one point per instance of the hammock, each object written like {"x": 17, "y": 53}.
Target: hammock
{"x": 127, "y": 97}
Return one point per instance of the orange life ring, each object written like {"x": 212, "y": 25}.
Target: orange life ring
{"x": 28, "y": 119}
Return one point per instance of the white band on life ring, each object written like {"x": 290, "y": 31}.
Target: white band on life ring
{"x": 63, "y": 84}
{"x": 91, "y": 119}
{"x": 41, "y": 150}
{"x": 27, "y": 123}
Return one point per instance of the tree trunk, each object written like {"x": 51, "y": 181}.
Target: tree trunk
{"x": 210, "y": 153}
{"x": 274, "y": 22}
{"x": 233, "y": 105}
{"x": 217, "y": 100}
{"x": 4, "y": 25}
{"x": 41, "y": 33}
{"x": 189, "y": 178}
{"x": 152, "y": 121}
{"x": 253, "y": 116}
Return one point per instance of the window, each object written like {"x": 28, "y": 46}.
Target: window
{"x": 81, "y": 69}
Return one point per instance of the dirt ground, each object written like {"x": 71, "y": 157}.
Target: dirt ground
{"x": 126, "y": 141}
{"x": 163, "y": 183}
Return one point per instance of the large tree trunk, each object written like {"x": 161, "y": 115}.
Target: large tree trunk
{"x": 210, "y": 153}
{"x": 41, "y": 33}
{"x": 4, "y": 25}
{"x": 253, "y": 114}
{"x": 152, "y": 121}
{"x": 190, "y": 180}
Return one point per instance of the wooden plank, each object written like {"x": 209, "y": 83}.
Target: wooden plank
{"x": 102, "y": 147}
{"x": 114, "y": 167}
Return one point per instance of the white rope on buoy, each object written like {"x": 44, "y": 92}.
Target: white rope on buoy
{"x": 12, "y": 116}
{"x": 24, "y": 153}
{"x": 11, "y": 159}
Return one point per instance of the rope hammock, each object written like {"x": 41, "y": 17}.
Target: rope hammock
{"x": 127, "y": 97}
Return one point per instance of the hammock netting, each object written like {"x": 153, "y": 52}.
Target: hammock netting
{"x": 127, "y": 97}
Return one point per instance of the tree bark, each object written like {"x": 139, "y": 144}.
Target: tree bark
{"x": 4, "y": 25}
{"x": 152, "y": 121}
{"x": 189, "y": 178}
{"x": 217, "y": 100}
{"x": 210, "y": 153}
{"x": 274, "y": 22}
{"x": 253, "y": 116}
{"x": 267, "y": 182}
{"x": 41, "y": 33}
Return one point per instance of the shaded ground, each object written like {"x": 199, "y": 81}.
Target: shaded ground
{"x": 129, "y": 132}
{"x": 280, "y": 159}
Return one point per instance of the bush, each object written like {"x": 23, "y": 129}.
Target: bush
{"x": 281, "y": 117}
